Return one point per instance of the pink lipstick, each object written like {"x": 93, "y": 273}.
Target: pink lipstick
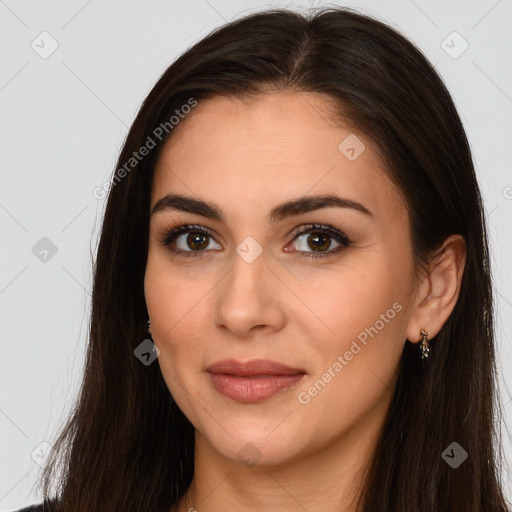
{"x": 252, "y": 381}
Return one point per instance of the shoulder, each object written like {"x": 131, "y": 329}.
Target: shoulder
{"x": 32, "y": 508}
{"x": 45, "y": 506}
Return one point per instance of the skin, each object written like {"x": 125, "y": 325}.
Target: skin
{"x": 247, "y": 157}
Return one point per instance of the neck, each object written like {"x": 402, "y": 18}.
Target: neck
{"x": 325, "y": 480}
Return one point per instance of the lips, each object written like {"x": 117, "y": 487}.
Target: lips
{"x": 253, "y": 367}
{"x": 253, "y": 381}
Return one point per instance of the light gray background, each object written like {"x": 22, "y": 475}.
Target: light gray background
{"x": 63, "y": 119}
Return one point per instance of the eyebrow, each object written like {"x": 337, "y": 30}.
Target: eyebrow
{"x": 291, "y": 208}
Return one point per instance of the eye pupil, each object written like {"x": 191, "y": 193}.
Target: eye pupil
{"x": 320, "y": 241}
{"x": 197, "y": 238}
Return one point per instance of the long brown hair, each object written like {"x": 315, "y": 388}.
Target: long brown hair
{"x": 127, "y": 446}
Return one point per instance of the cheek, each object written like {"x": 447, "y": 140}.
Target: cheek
{"x": 177, "y": 309}
{"x": 175, "y": 305}
{"x": 356, "y": 297}
{"x": 354, "y": 368}
{"x": 364, "y": 309}
{"x": 172, "y": 293}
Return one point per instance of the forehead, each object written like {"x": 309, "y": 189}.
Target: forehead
{"x": 271, "y": 147}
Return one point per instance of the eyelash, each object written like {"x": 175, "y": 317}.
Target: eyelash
{"x": 169, "y": 236}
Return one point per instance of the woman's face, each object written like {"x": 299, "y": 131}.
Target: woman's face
{"x": 247, "y": 288}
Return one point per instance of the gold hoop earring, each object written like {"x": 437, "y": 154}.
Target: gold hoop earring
{"x": 424, "y": 344}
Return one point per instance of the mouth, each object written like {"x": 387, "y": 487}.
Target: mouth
{"x": 253, "y": 381}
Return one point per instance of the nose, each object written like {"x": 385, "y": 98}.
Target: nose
{"x": 250, "y": 298}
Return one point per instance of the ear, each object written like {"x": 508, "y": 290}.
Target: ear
{"x": 438, "y": 291}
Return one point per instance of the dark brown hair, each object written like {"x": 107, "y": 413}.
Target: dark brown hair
{"x": 127, "y": 446}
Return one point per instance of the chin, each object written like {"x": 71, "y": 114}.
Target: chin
{"x": 262, "y": 441}
{"x": 258, "y": 451}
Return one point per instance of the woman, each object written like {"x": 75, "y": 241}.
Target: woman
{"x": 296, "y": 224}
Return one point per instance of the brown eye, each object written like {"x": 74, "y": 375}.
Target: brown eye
{"x": 318, "y": 239}
{"x": 197, "y": 240}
